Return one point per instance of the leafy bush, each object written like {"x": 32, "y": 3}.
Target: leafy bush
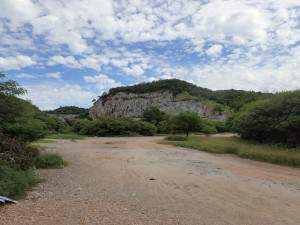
{"x": 15, "y": 153}
{"x": 154, "y": 115}
{"x": 209, "y": 129}
{"x": 82, "y": 126}
{"x": 67, "y": 110}
{"x": 186, "y": 122}
{"x": 49, "y": 161}
{"x": 274, "y": 120}
{"x": 14, "y": 182}
{"x": 114, "y": 126}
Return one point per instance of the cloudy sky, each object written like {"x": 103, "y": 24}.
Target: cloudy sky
{"x": 67, "y": 52}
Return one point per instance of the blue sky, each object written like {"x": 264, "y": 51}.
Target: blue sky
{"x": 67, "y": 52}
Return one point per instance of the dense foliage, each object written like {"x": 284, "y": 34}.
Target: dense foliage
{"x": 114, "y": 126}
{"x": 67, "y": 110}
{"x": 235, "y": 99}
{"x": 186, "y": 122}
{"x": 13, "y": 182}
{"x": 274, "y": 120}
{"x": 21, "y": 119}
{"x": 16, "y": 154}
{"x": 20, "y": 122}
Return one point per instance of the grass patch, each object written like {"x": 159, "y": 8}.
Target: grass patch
{"x": 49, "y": 161}
{"x": 44, "y": 141}
{"x": 244, "y": 149}
{"x": 108, "y": 142}
{"x": 176, "y": 138}
{"x": 14, "y": 183}
{"x": 71, "y": 136}
{"x": 39, "y": 147}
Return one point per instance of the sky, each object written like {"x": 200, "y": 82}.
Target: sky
{"x": 68, "y": 52}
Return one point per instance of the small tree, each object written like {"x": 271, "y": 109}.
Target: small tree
{"x": 153, "y": 115}
{"x": 187, "y": 122}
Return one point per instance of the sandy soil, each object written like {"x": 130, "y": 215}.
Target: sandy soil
{"x": 136, "y": 181}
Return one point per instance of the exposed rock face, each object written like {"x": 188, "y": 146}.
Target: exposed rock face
{"x": 133, "y": 105}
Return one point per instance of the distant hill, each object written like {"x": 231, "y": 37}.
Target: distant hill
{"x": 70, "y": 110}
{"x": 234, "y": 99}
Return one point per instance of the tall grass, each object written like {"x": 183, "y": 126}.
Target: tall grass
{"x": 71, "y": 136}
{"x": 15, "y": 182}
{"x": 244, "y": 149}
{"x": 49, "y": 161}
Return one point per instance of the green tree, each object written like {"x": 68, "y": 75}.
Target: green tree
{"x": 274, "y": 120}
{"x": 156, "y": 117}
{"x": 10, "y": 87}
{"x": 9, "y": 110}
{"x": 187, "y": 122}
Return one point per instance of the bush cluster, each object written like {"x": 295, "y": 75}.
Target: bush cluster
{"x": 115, "y": 126}
{"x": 13, "y": 182}
{"x": 16, "y": 154}
{"x": 20, "y": 122}
{"x": 274, "y": 120}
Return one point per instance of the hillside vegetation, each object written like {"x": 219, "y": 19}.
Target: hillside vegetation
{"x": 69, "y": 110}
{"x": 274, "y": 120}
{"x": 20, "y": 123}
{"x": 234, "y": 99}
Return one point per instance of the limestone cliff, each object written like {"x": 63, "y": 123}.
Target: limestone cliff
{"x": 133, "y": 105}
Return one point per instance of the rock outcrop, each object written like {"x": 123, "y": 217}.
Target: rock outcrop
{"x": 133, "y": 105}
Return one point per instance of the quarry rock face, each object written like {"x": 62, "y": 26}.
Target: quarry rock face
{"x": 133, "y": 105}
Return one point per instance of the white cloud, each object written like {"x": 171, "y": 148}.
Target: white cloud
{"x": 91, "y": 63}
{"x": 102, "y": 82}
{"x": 16, "y": 63}
{"x": 214, "y": 50}
{"x": 54, "y": 75}
{"x": 53, "y": 95}
{"x": 24, "y": 75}
{"x": 68, "y": 61}
{"x": 134, "y": 70}
{"x": 250, "y": 42}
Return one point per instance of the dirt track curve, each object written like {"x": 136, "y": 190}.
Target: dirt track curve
{"x": 136, "y": 181}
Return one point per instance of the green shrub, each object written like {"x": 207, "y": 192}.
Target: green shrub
{"x": 15, "y": 153}
{"x": 185, "y": 122}
{"x": 15, "y": 182}
{"x": 49, "y": 161}
{"x": 209, "y": 129}
{"x": 275, "y": 120}
{"x": 110, "y": 126}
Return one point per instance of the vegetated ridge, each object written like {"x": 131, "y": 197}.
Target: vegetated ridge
{"x": 69, "y": 112}
{"x": 172, "y": 96}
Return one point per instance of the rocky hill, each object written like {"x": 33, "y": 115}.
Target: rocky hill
{"x": 133, "y": 105}
{"x": 172, "y": 96}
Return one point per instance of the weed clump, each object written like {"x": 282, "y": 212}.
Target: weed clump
{"x": 176, "y": 138}
{"x": 49, "y": 161}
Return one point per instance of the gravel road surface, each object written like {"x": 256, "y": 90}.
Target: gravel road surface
{"x": 137, "y": 181}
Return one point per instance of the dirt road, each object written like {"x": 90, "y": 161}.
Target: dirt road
{"x": 136, "y": 181}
